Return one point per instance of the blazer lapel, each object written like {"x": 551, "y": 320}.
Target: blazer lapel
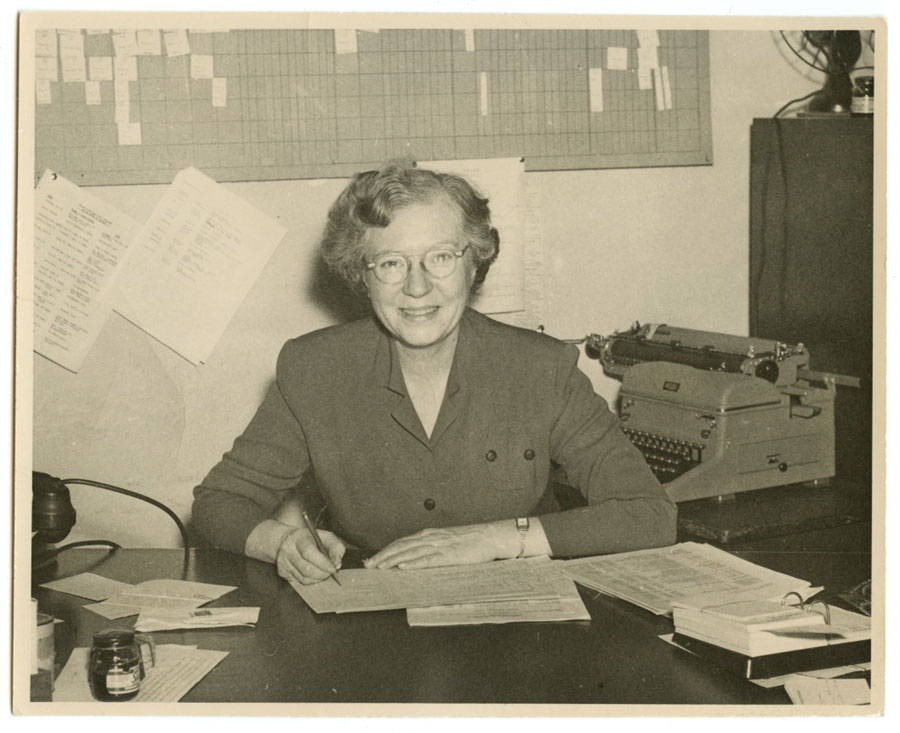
{"x": 402, "y": 409}
{"x": 455, "y": 394}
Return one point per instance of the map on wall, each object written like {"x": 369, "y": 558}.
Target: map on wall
{"x": 136, "y": 106}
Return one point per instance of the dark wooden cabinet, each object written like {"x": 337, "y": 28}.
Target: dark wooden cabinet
{"x": 811, "y": 265}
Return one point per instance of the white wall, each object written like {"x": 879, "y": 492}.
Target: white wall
{"x": 655, "y": 245}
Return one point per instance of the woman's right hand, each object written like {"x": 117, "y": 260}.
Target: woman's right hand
{"x": 298, "y": 559}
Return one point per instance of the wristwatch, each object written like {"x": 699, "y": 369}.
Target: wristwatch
{"x": 522, "y": 524}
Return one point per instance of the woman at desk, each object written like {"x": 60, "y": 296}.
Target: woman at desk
{"x": 430, "y": 429}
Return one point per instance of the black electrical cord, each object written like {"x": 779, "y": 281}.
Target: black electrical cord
{"x": 40, "y": 559}
{"x": 795, "y": 101}
{"x": 135, "y": 495}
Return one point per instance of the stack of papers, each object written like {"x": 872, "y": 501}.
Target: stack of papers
{"x": 787, "y": 634}
{"x": 750, "y": 627}
{"x": 509, "y": 590}
{"x": 567, "y": 607}
{"x": 691, "y": 573}
{"x": 165, "y": 619}
{"x": 178, "y": 668}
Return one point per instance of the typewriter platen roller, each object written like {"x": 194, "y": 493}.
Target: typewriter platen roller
{"x": 716, "y": 414}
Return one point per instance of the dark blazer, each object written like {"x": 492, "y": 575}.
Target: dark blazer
{"x": 515, "y": 405}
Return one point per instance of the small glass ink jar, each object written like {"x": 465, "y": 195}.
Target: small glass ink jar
{"x": 116, "y": 665}
{"x": 863, "y": 100}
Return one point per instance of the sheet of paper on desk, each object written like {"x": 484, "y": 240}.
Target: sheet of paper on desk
{"x": 813, "y": 691}
{"x": 822, "y": 674}
{"x": 567, "y": 607}
{"x": 178, "y": 668}
{"x": 161, "y": 593}
{"x": 160, "y": 619}
{"x": 79, "y": 241}
{"x": 696, "y": 574}
{"x": 378, "y": 590}
{"x": 89, "y": 585}
{"x": 193, "y": 263}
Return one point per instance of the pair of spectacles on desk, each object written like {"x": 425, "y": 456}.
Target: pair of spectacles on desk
{"x": 392, "y": 268}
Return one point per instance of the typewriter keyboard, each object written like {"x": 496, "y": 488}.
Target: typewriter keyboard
{"x": 668, "y": 458}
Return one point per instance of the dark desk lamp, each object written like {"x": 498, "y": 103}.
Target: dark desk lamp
{"x": 53, "y": 516}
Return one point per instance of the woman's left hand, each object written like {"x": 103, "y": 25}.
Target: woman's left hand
{"x": 465, "y": 545}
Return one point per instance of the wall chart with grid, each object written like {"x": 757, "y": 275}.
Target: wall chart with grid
{"x": 136, "y": 106}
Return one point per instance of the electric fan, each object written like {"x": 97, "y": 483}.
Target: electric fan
{"x": 834, "y": 54}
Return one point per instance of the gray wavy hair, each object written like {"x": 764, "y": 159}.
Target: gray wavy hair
{"x": 372, "y": 198}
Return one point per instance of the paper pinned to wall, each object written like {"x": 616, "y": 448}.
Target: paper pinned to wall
{"x": 595, "y": 82}
{"x": 617, "y": 58}
{"x": 176, "y": 42}
{"x": 124, "y": 42}
{"x": 79, "y": 242}
{"x": 45, "y": 43}
{"x": 535, "y": 272}
{"x": 101, "y": 68}
{"x": 42, "y": 93}
{"x": 71, "y": 43}
{"x": 46, "y": 68}
{"x": 648, "y": 63}
{"x": 193, "y": 264}
{"x": 502, "y": 180}
{"x": 345, "y": 40}
{"x": 148, "y": 42}
{"x": 73, "y": 68}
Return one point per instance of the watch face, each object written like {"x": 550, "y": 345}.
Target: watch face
{"x": 522, "y": 524}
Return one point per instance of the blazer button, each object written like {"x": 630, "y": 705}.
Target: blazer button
{"x": 429, "y": 504}
{"x": 529, "y": 455}
{"x": 491, "y": 455}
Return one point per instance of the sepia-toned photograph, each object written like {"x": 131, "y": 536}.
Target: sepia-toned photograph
{"x": 449, "y": 365}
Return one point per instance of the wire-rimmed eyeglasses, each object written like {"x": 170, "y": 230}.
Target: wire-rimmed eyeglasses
{"x": 393, "y": 267}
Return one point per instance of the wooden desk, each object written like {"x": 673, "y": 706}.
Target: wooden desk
{"x": 294, "y": 655}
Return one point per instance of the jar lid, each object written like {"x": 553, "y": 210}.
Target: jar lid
{"x": 111, "y": 638}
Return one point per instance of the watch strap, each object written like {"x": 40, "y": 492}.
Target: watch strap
{"x": 522, "y": 525}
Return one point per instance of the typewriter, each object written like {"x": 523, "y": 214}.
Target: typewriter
{"x": 715, "y": 414}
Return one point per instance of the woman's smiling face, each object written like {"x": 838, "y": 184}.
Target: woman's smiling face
{"x": 421, "y": 310}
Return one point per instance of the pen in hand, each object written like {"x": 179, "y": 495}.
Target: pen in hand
{"x": 318, "y": 540}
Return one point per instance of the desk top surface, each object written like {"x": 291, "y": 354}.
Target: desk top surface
{"x": 295, "y": 655}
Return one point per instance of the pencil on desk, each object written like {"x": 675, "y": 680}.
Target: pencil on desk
{"x": 318, "y": 540}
